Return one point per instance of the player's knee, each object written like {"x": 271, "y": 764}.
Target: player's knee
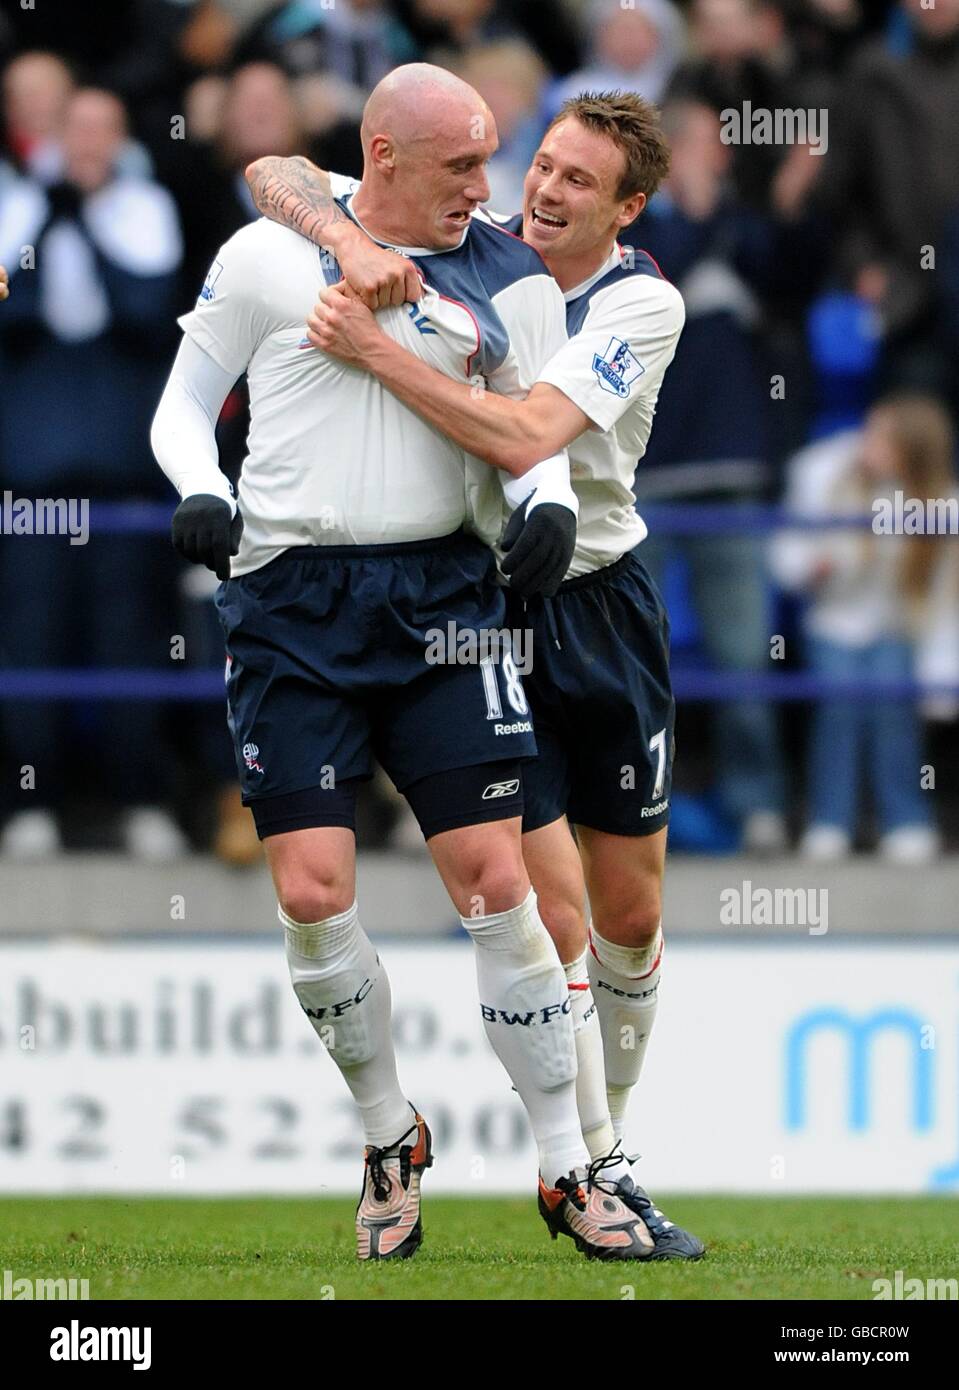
{"x": 565, "y": 920}
{"x": 314, "y": 894}
{"x": 634, "y": 920}
{"x": 495, "y": 886}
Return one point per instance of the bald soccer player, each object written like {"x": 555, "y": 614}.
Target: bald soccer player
{"x": 599, "y": 686}
{"x": 352, "y": 551}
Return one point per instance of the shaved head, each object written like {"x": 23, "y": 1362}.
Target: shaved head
{"x": 427, "y": 138}
{"x": 421, "y": 102}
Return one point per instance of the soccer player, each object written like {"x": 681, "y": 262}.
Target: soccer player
{"x": 600, "y": 686}
{"x": 348, "y": 551}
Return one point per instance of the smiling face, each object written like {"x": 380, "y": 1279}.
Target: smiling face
{"x": 572, "y": 210}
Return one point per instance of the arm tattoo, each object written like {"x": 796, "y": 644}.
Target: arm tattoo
{"x": 295, "y": 193}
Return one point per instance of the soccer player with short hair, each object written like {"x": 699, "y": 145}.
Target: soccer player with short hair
{"x": 600, "y": 685}
{"x": 348, "y": 551}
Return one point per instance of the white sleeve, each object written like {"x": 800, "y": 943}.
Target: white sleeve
{"x": 231, "y": 318}
{"x": 341, "y": 185}
{"x": 623, "y": 349}
{"x": 183, "y": 435}
{"x": 546, "y": 481}
{"x": 814, "y": 476}
{"x": 534, "y": 313}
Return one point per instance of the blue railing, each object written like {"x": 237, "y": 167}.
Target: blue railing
{"x": 153, "y": 518}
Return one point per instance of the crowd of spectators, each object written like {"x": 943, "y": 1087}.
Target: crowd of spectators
{"x": 819, "y": 364}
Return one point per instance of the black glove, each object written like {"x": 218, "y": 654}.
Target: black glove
{"x": 205, "y": 534}
{"x": 538, "y": 551}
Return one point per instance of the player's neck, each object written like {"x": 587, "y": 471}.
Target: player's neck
{"x": 368, "y": 210}
{"x": 570, "y": 271}
{"x": 378, "y": 219}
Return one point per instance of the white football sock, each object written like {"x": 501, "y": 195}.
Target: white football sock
{"x": 625, "y": 982}
{"x": 345, "y": 993}
{"x": 591, "y": 1099}
{"x": 527, "y": 1015}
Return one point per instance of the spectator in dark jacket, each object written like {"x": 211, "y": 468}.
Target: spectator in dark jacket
{"x": 741, "y": 56}
{"x": 36, "y": 89}
{"x": 259, "y": 116}
{"x": 710, "y": 442}
{"x": 891, "y": 177}
{"x": 440, "y": 28}
{"x": 83, "y": 342}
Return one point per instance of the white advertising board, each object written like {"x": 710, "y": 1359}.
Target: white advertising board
{"x": 189, "y": 1068}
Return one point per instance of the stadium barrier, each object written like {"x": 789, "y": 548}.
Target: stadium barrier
{"x": 153, "y": 518}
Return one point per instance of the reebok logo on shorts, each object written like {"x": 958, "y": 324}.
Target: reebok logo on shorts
{"x": 523, "y": 726}
{"x": 497, "y": 789}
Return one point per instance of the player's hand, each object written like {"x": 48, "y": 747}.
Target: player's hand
{"x": 4, "y": 283}
{"x": 343, "y": 327}
{"x": 538, "y": 550}
{"x": 379, "y": 277}
{"x": 205, "y": 534}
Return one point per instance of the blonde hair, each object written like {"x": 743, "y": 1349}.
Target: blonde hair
{"x": 920, "y": 432}
{"x": 923, "y": 439}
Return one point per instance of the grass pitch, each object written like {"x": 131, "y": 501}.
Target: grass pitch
{"x": 492, "y": 1248}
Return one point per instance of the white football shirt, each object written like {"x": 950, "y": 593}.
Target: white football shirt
{"x": 333, "y": 458}
{"x": 623, "y": 326}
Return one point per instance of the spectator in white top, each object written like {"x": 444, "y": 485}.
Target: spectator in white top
{"x": 881, "y": 606}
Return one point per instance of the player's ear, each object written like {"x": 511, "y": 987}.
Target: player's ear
{"x": 383, "y": 153}
{"x": 631, "y": 209}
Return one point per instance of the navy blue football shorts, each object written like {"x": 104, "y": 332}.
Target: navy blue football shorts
{"x": 337, "y": 655}
{"x": 602, "y": 702}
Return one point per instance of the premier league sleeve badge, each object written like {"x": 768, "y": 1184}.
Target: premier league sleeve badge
{"x": 617, "y": 369}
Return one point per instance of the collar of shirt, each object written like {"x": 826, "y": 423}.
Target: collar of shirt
{"x": 404, "y": 250}
{"x": 611, "y": 262}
